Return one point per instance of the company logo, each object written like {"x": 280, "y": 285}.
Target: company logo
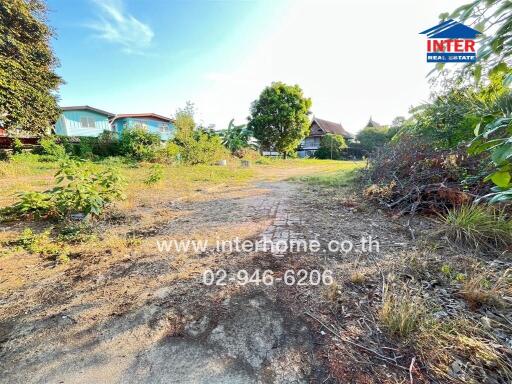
{"x": 451, "y": 42}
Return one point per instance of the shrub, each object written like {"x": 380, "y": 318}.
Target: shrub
{"x": 139, "y": 144}
{"x": 331, "y": 147}
{"x": 371, "y": 138}
{"x": 80, "y": 189}
{"x": 17, "y": 146}
{"x": 169, "y": 154}
{"x": 156, "y": 174}
{"x": 84, "y": 148}
{"x": 477, "y": 226}
{"x": 51, "y": 150}
{"x": 107, "y": 144}
{"x": 200, "y": 148}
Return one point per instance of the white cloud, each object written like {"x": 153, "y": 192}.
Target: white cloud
{"x": 117, "y": 26}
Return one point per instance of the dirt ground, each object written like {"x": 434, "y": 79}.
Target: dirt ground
{"x": 140, "y": 315}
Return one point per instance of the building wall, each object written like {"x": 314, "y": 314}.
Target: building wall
{"x": 82, "y": 123}
{"x": 164, "y": 129}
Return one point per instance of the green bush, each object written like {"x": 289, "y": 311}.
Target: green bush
{"x": 331, "y": 147}
{"x": 139, "y": 144}
{"x": 107, "y": 144}
{"x": 200, "y": 148}
{"x": 156, "y": 174}
{"x": 168, "y": 154}
{"x": 17, "y": 146}
{"x": 51, "y": 150}
{"x": 79, "y": 189}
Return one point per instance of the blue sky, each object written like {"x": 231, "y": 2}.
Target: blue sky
{"x": 353, "y": 58}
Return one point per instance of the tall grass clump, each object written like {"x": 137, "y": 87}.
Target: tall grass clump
{"x": 478, "y": 226}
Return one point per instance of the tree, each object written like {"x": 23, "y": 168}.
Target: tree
{"x": 331, "y": 147}
{"x": 27, "y": 79}
{"x": 184, "y": 121}
{"x": 371, "y": 138}
{"x": 279, "y": 117}
{"x": 237, "y": 137}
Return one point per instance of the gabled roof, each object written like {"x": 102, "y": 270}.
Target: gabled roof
{"x": 87, "y": 108}
{"x": 372, "y": 123}
{"x": 142, "y": 115}
{"x": 330, "y": 127}
{"x": 451, "y": 29}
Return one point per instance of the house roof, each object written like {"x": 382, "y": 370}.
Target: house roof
{"x": 87, "y": 108}
{"x": 142, "y": 115}
{"x": 330, "y": 127}
{"x": 451, "y": 29}
{"x": 372, "y": 123}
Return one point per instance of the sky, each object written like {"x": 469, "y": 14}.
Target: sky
{"x": 354, "y": 59}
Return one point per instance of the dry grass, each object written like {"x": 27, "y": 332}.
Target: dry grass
{"x": 460, "y": 351}
{"x": 477, "y": 226}
{"x": 401, "y": 312}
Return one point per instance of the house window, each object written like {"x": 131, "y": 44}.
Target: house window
{"x": 87, "y": 122}
{"x": 163, "y": 128}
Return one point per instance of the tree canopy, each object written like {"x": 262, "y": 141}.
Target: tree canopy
{"x": 331, "y": 147}
{"x": 27, "y": 79}
{"x": 279, "y": 117}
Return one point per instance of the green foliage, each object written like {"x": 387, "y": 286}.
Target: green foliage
{"x": 494, "y": 19}
{"x": 236, "y": 138}
{"x": 279, "y": 117}
{"x": 195, "y": 146}
{"x": 107, "y": 144}
{"x": 43, "y": 245}
{"x": 27, "y": 78}
{"x": 17, "y": 146}
{"x": 494, "y": 136}
{"x": 371, "y": 138}
{"x": 79, "y": 189}
{"x": 156, "y": 174}
{"x": 51, "y": 150}
{"x": 331, "y": 147}
{"x": 168, "y": 154}
{"x": 139, "y": 144}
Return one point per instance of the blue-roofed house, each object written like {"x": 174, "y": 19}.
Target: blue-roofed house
{"x": 83, "y": 121}
{"x": 150, "y": 121}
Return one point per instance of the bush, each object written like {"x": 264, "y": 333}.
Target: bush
{"x": 79, "y": 189}
{"x": 169, "y": 154}
{"x": 200, "y": 148}
{"x": 17, "y": 146}
{"x": 107, "y": 144}
{"x": 156, "y": 174}
{"x": 139, "y": 144}
{"x": 331, "y": 147}
{"x": 371, "y": 138}
{"x": 51, "y": 150}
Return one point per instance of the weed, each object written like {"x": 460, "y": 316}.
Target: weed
{"x": 401, "y": 313}
{"x": 156, "y": 174}
{"x": 357, "y": 278}
{"x": 43, "y": 245}
{"x": 477, "y": 226}
{"x": 478, "y": 291}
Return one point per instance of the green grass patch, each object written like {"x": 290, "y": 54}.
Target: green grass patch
{"x": 343, "y": 177}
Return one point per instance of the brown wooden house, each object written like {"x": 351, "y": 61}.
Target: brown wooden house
{"x": 318, "y": 129}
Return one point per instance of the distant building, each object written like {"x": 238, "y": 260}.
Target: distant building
{"x": 372, "y": 124}
{"x": 83, "y": 121}
{"x": 318, "y": 129}
{"x": 91, "y": 122}
{"x": 150, "y": 121}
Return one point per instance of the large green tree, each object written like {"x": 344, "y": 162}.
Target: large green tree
{"x": 27, "y": 79}
{"x": 279, "y": 117}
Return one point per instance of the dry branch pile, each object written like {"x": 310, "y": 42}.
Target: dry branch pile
{"x": 411, "y": 176}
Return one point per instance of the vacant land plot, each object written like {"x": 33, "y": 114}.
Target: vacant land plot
{"x": 126, "y": 309}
